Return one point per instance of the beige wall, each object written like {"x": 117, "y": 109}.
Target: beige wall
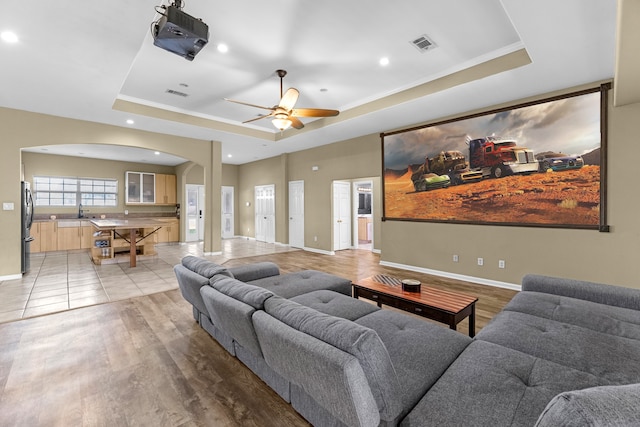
{"x": 353, "y": 160}
{"x": 35, "y": 164}
{"x": 582, "y": 254}
{"x": 250, "y": 175}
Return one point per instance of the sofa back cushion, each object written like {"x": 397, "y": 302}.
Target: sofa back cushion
{"x": 333, "y": 378}
{"x": 255, "y": 296}
{"x": 204, "y": 267}
{"x": 359, "y": 341}
{"x": 190, "y": 284}
{"x": 231, "y": 304}
{"x": 254, "y": 271}
{"x": 596, "y": 406}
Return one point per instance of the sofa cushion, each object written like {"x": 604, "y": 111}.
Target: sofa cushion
{"x": 607, "y": 406}
{"x": 255, "y": 296}
{"x": 335, "y": 304}
{"x": 254, "y": 271}
{"x": 231, "y": 304}
{"x": 293, "y": 284}
{"x": 204, "y": 267}
{"x": 614, "y": 359}
{"x": 419, "y": 350}
{"x": 333, "y": 378}
{"x": 589, "y": 291}
{"x": 493, "y": 386}
{"x": 622, "y": 322}
{"x": 190, "y": 283}
{"x": 359, "y": 341}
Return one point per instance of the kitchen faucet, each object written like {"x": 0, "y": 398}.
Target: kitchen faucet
{"x": 80, "y": 211}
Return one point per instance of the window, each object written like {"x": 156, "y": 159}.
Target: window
{"x": 61, "y": 191}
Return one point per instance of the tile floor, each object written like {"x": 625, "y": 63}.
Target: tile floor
{"x": 65, "y": 280}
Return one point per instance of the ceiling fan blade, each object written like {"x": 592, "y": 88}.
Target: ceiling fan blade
{"x": 296, "y": 123}
{"x": 257, "y": 118}
{"x": 314, "y": 112}
{"x": 250, "y": 105}
{"x": 289, "y": 99}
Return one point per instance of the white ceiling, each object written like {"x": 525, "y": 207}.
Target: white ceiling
{"x": 97, "y": 62}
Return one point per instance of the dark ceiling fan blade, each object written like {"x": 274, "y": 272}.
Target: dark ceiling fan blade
{"x": 257, "y": 118}
{"x": 314, "y": 112}
{"x": 250, "y": 105}
{"x": 289, "y": 99}
{"x": 296, "y": 123}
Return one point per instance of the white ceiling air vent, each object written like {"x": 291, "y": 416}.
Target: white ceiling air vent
{"x": 423, "y": 43}
{"x": 177, "y": 92}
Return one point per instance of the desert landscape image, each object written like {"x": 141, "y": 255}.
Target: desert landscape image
{"x": 565, "y": 131}
{"x": 570, "y": 197}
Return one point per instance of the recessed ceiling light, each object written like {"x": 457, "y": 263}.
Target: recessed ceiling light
{"x": 9, "y": 36}
{"x": 384, "y": 61}
{"x": 130, "y": 122}
{"x": 157, "y": 153}
{"x": 223, "y": 48}
{"x": 229, "y": 156}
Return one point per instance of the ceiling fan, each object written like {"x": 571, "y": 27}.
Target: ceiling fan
{"x": 284, "y": 115}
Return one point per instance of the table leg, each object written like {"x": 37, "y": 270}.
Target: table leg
{"x": 132, "y": 247}
{"x": 472, "y": 321}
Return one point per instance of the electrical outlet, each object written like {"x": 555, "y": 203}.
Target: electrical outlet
{"x": 455, "y": 258}
{"x": 480, "y": 261}
{"x": 315, "y": 238}
{"x": 501, "y": 263}
{"x": 126, "y": 211}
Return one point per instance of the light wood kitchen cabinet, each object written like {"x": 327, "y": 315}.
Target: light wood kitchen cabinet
{"x": 68, "y": 238}
{"x": 48, "y": 236}
{"x": 166, "y": 190}
{"x": 37, "y": 239}
{"x": 169, "y": 232}
{"x": 86, "y": 234}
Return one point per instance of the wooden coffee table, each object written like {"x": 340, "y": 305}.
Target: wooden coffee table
{"x": 442, "y": 306}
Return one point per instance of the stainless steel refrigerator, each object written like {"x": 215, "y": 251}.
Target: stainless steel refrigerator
{"x": 27, "y": 220}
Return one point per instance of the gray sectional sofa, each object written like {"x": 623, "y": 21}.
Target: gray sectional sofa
{"x": 562, "y": 352}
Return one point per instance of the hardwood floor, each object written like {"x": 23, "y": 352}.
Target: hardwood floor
{"x": 144, "y": 361}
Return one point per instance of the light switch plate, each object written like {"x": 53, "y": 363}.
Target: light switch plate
{"x": 7, "y": 206}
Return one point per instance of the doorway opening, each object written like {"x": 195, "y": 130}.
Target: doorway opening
{"x": 363, "y": 215}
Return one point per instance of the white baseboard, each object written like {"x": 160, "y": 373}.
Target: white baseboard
{"x": 212, "y": 253}
{"x": 319, "y": 251}
{"x": 10, "y": 277}
{"x": 455, "y": 276}
{"x": 376, "y": 251}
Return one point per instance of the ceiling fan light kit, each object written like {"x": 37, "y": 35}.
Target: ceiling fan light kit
{"x": 284, "y": 115}
{"x": 281, "y": 122}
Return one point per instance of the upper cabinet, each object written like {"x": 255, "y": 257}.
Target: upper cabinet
{"x": 150, "y": 188}
{"x": 141, "y": 187}
{"x": 166, "y": 190}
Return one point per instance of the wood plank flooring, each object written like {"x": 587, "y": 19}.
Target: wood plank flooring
{"x": 145, "y": 362}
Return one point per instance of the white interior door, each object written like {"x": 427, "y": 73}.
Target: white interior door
{"x": 265, "y": 204}
{"x": 341, "y": 215}
{"x": 201, "y": 212}
{"x": 227, "y": 213}
{"x": 296, "y": 214}
{"x": 194, "y": 195}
